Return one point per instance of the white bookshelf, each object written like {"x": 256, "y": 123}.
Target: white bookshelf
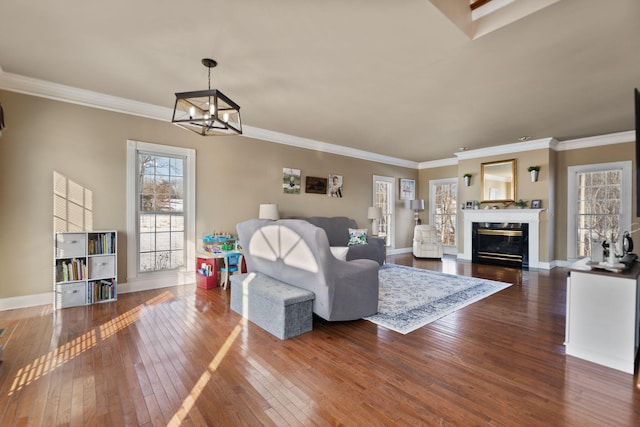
{"x": 85, "y": 266}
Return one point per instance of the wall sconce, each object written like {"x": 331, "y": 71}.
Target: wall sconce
{"x": 534, "y": 171}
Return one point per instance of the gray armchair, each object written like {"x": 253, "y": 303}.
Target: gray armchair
{"x": 297, "y": 252}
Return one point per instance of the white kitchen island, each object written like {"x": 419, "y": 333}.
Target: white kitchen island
{"x": 602, "y": 319}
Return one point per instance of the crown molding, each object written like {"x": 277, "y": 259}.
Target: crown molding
{"x": 597, "y": 141}
{"x": 508, "y": 148}
{"x": 59, "y": 92}
{"x": 311, "y": 144}
{"x": 87, "y": 98}
{"x": 438, "y": 163}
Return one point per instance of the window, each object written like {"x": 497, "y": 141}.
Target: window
{"x": 160, "y": 212}
{"x": 383, "y": 198}
{"x": 443, "y": 207}
{"x": 599, "y": 206}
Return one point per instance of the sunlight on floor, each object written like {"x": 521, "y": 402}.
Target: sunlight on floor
{"x": 47, "y": 363}
{"x": 190, "y": 400}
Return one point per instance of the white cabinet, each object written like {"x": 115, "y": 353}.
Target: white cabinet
{"x": 602, "y": 317}
{"x": 84, "y": 268}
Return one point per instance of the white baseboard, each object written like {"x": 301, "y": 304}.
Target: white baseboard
{"x": 135, "y": 285}
{"x": 25, "y": 301}
{"x": 399, "y": 251}
{"x": 154, "y": 282}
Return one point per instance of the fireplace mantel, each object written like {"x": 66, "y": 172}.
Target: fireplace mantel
{"x": 529, "y": 216}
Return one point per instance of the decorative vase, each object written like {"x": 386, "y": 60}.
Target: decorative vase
{"x": 534, "y": 175}
{"x": 467, "y": 181}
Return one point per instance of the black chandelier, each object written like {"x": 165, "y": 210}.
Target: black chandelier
{"x": 207, "y": 112}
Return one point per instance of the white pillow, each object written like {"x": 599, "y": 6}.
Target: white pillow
{"x": 340, "y": 252}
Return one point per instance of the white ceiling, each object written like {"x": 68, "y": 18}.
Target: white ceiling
{"x": 391, "y": 77}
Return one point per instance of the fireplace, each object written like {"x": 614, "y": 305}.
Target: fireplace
{"x": 501, "y": 244}
{"x": 531, "y": 217}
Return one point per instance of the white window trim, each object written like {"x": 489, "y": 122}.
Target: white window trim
{"x": 625, "y": 196}
{"x": 159, "y": 279}
{"x": 392, "y": 205}
{"x": 447, "y": 249}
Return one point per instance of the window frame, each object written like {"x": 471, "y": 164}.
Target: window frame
{"x": 447, "y": 249}
{"x": 157, "y": 279}
{"x": 391, "y": 204}
{"x": 572, "y": 190}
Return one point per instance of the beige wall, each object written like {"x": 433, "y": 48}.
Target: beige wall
{"x": 87, "y": 147}
{"x": 234, "y": 175}
{"x": 587, "y": 156}
{"x": 525, "y": 189}
{"x": 551, "y": 187}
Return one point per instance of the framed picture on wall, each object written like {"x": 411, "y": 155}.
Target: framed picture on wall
{"x": 315, "y": 185}
{"x": 536, "y": 204}
{"x": 407, "y": 189}
{"x": 335, "y": 186}
{"x": 291, "y": 181}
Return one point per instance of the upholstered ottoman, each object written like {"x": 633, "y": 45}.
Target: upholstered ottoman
{"x": 277, "y": 307}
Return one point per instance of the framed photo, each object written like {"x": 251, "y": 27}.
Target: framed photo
{"x": 315, "y": 185}
{"x": 407, "y": 189}
{"x": 291, "y": 181}
{"x": 536, "y": 204}
{"x": 468, "y": 204}
{"x": 335, "y": 186}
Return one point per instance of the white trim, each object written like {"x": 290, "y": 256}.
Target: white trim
{"x": 311, "y": 144}
{"x": 625, "y": 198}
{"x": 508, "y": 148}
{"x": 25, "y": 301}
{"x": 87, "y": 98}
{"x": 438, "y": 163}
{"x": 392, "y": 205}
{"x": 489, "y": 8}
{"x": 447, "y": 249}
{"x": 530, "y": 216}
{"x": 157, "y": 281}
{"x": 58, "y": 92}
{"x": 399, "y": 251}
{"x": 44, "y": 89}
{"x": 168, "y": 278}
{"x": 597, "y": 141}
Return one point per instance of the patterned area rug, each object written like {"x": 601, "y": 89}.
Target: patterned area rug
{"x": 410, "y": 298}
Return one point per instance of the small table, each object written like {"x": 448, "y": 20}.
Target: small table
{"x": 210, "y": 258}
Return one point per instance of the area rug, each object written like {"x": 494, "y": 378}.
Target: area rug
{"x": 410, "y": 298}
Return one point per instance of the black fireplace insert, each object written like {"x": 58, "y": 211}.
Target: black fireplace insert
{"x": 501, "y": 244}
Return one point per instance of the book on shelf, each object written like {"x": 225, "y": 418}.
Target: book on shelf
{"x": 71, "y": 269}
{"x": 102, "y": 243}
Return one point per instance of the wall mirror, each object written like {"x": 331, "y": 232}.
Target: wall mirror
{"x": 498, "y": 181}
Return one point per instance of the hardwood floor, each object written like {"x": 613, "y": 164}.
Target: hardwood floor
{"x": 180, "y": 356}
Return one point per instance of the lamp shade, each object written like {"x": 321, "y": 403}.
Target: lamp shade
{"x": 417, "y": 204}
{"x": 374, "y": 213}
{"x": 269, "y": 211}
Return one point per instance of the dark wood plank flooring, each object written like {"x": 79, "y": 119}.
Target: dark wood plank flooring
{"x": 180, "y": 356}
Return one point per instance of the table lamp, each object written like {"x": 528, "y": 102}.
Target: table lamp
{"x": 269, "y": 211}
{"x": 374, "y": 214}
